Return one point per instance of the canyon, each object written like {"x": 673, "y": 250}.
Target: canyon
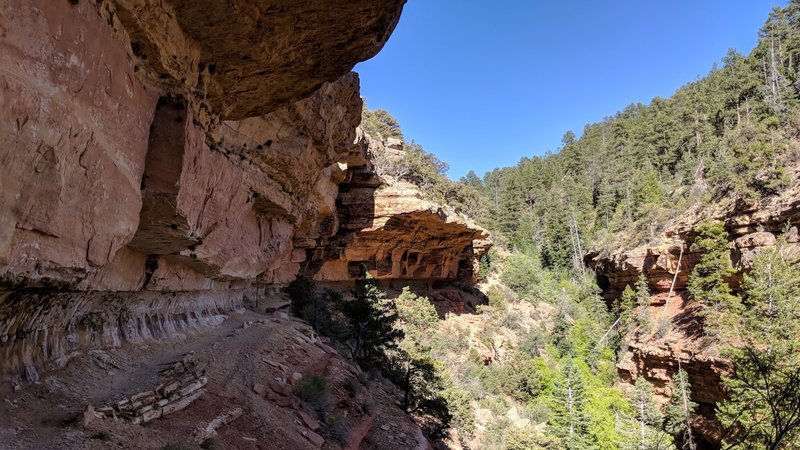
{"x": 157, "y": 173}
{"x": 167, "y": 167}
{"x": 666, "y": 263}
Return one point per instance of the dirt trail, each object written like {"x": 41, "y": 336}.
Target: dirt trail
{"x": 246, "y": 350}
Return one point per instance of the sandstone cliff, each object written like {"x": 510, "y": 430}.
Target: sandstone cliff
{"x": 165, "y": 161}
{"x": 677, "y": 339}
{"x": 390, "y": 227}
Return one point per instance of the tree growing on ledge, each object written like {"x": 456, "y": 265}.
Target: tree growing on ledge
{"x": 373, "y": 322}
{"x": 763, "y": 406}
{"x": 380, "y": 124}
{"x": 708, "y": 283}
{"x": 643, "y": 303}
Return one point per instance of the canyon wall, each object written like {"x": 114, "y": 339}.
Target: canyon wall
{"x": 163, "y": 162}
{"x": 677, "y": 339}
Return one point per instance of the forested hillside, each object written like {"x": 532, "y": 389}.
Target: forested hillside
{"x": 729, "y": 139}
{"x": 723, "y": 138}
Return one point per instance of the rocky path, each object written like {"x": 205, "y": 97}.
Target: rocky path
{"x": 249, "y": 364}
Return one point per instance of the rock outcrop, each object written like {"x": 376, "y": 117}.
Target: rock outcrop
{"x": 126, "y": 125}
{"x": 165, "y": 162}
{"x": 391, "y": 229}
{"x": 677, "y": 339}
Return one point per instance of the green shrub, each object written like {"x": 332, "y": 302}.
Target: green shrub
{"x": 369, "y": 406}
{"x": 460, "y": 406}
{"x": 664, "y": 325}
{"x": 497, "y": 299}
{"x": 210, "y": 444}
{"x": 102, "y": 436}
{"x": 336, "y": 429}
{"x": 315, "y": 391}
{"x": 353, "y": 387}
{"x": 521, "y": 273}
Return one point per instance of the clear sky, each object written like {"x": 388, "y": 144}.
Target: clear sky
{"x": 483, "y": 83}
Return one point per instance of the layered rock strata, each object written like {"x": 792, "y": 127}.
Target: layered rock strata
{"x": 150, "y": 173}
{"x": 389, "y": 228}
{"x": 165, "y": 162}
{"x": 678, "y": 340}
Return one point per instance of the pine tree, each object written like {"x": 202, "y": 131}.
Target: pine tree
{"x": 380, "y": 124}
{"x": 643, "y": 304}
{"x": 627, "y": 310}
{"x": 763, "y": 406}
{"x": 708, "y": 282}
{"x": 643, "y": 430}
{"x": 561, "y": 328}
{"x": 568, "y": 418}
{"x": 472, "y": 180}
{"x": 372, "y": 318}
{"x": 302, "y": 293}
{"x": 681, "y": 410}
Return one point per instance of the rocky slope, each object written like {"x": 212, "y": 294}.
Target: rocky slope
{"x": 677, "y": 339}
{"x": 163, "y": 162}
{"x": 234, "y": 384}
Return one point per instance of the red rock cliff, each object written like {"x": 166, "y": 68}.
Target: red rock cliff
{"x": 677, "y": 338}
{"x": 162, "y": 162}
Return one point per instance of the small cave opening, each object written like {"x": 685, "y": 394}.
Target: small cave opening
{"x": 603, "y": 282}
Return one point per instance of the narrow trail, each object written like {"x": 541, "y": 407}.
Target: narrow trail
{"x": 246, "y": 350}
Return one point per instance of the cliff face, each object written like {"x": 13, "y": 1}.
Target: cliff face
{"x": 389, "y": 227}
{"x": 678, "y": 339}
{"x": 164, "y": 161}
{"x": 127, "y": 125}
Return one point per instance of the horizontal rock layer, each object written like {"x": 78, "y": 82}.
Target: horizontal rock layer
{"x": 41, "y": 329}
{"x": 750, "y": 227}
{"x": 671, "y": 260}
{"x": 106, "y": 145}
{"x": 164, "y": 162}
{"x": 391, "y": 230}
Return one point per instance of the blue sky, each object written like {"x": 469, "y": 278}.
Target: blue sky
{"x": 482, "y": 84}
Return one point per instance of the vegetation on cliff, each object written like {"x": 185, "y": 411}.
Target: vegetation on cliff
{"x": 761, "y": 340}
{"x": 724, "y": 139}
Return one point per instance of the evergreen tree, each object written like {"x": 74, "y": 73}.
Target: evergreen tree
{"x": 708, "y": 282}
{"x": 644, "y": 431}
{"x": 414, "y": 368}
{"x": 643, "y": 304}
{"x": 472, "y": 180}
{"x": 627, "y": 310}
{"x": 680, "y": 411}
{"x": 561, "y": 329}
{"x": 308, "y": 305}
{"x": 302, "y": 292}
{"x": 372, "y": 318}
{"x": 763, "y": 406}
{"x": 568, "y": 419}
{"x": 380, "y": 124}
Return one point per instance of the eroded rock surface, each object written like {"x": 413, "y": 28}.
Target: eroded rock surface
{"x": 166, "y": 162}
{"x": 392, "y": 230}
{"x": 246, "y": 58}
{"x": 204, "y": 387}
{"x": 677, "y": 339}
